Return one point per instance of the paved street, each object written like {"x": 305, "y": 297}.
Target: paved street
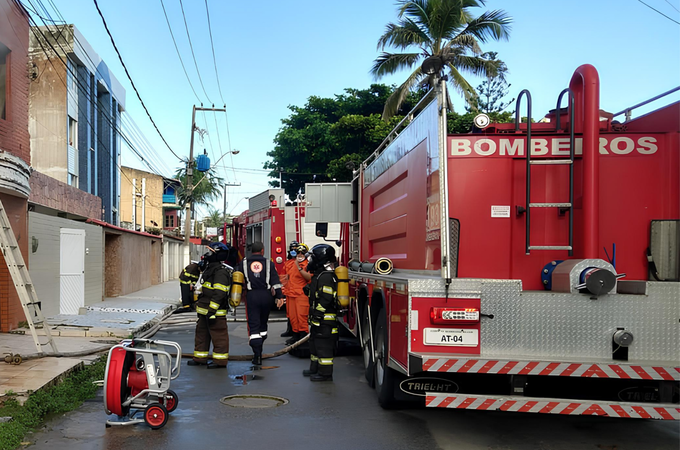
{"x": 342, "y": 415}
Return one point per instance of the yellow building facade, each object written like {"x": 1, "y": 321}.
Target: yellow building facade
{"x": 144, "y": 209}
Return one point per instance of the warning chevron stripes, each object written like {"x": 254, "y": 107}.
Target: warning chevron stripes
{"x": 547, "y": 368}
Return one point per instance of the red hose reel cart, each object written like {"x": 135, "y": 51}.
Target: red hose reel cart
{"x": 138, "y": 374}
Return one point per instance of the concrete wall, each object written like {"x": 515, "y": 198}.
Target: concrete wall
{"x": 48, "y": 115}
{"x": 44, "y": 261}
{"x": 173, "y": 258}
{"x": 14, "y": 139}
{"x": 133, "y": 262}
{"x": 153, "y": 206}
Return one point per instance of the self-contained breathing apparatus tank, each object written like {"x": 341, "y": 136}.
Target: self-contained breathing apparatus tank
{"x": 342, "y": 275}
{"x": 237, "y": 279}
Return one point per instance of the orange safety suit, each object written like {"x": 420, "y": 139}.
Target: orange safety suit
{"x": 297, "y": 303}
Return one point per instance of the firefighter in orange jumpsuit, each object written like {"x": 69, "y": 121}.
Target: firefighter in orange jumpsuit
{"x": 297, "y": 303}
{"x": 211, "y": 308}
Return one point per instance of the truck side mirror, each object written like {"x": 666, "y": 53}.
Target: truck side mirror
{"x": 322, "y": 229}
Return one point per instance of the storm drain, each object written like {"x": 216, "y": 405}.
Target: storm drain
{"x": 253, "y": 401}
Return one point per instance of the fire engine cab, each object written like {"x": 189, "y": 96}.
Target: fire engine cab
{"x": 535, "y": 265}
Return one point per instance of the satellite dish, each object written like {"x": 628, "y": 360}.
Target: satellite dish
{"x": 482, "y": 121}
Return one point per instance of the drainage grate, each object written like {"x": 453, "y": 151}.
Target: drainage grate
{"x": 253, "y": 401}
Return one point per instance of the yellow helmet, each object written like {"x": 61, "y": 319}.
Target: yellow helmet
{"x": 302, "y": 248}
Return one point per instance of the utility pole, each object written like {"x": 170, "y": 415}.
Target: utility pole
{"x": 224, "y": 211}
{"x": 190, "y": 185}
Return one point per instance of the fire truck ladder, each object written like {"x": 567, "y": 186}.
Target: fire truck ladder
{"x": 562, "y": 206}
{"x": 22, "y": 282}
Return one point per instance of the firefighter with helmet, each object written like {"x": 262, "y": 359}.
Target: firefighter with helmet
{"x": 323, "y": 309}
{"x": 211, "y": 308}
{"x": 297, "y": 303}
{"x": 284, "y": 282}
{"x": 187, "y": 280}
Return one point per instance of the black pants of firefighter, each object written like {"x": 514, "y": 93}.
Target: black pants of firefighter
{"x": 214, "y": 330}
{"x": 258, "y": 305}
{"x": 322, "y": 341}
{"x": 187, "y": 295}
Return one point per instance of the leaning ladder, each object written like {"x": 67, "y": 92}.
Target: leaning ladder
{"x": 22, "y": 282}
{"x": 566, "y": 206}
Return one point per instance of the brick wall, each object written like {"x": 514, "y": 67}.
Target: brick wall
{"x": 14, "y": 139}
{"x": 14, "y": 136}
{"x": 54, "y": 194}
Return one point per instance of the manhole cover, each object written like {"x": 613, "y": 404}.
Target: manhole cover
{"x": 253, "y": 401}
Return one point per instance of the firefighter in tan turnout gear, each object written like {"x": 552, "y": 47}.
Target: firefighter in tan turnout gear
{"x": 211, "y": 308}
{"x": 323, "y": 309}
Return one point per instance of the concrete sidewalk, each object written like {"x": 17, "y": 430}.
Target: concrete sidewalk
{"x": 104, "y": 323}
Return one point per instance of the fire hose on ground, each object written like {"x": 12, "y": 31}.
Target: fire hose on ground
{"x": 165, "y": 321}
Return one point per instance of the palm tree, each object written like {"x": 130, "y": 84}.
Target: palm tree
{"x": 446, "y": 30}
{"x": 206, "y": 186}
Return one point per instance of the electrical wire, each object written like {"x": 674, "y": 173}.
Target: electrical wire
{"x": 152, "y": 154}
{"x": 650, "y": 7}
{"x": 120, "y": 57}
{"x": 672, "y": 5}
{"x": 212, "y": 45}
{"x": 186, "y": 26}
{"x": 178, "y": 53}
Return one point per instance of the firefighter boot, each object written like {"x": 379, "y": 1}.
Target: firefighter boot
{"x": 191, "y": 362}
{"x": 288, "y": 332}
{"x": 213, "y": 365}
{"x": 313, "y": 369}
{"x": 294, "y": 338}
{"x": 319, "y": 377}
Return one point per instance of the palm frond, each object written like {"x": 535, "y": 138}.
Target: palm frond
{"x": 397, "y": 98}
{"x": 388, "y": 63}
{"x": 490, "y": 25}
{"x": 461, "y": 85}
{"x": 477, "y": 66}
{"x": 466, "y": 41}
{"x": 402, "y": 35}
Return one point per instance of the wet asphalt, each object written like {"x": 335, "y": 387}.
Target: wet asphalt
{"x": 343, "y": 414}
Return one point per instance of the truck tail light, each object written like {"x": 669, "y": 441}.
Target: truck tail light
{"x": 454, "y": 315}
{"x": 278, "y": 239}
{"x": 278, "y": 250}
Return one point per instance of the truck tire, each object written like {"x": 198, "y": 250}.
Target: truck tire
{"x": 366, "y": 347}
{"x": 385, "y": 377}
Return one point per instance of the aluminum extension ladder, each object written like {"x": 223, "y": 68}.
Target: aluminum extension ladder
{"x": 22, "y": 282}
{"x": 563, "y": 206}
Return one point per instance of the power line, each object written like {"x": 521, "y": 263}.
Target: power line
{"x": 672, "y": 5}
{"x": 178, "y": 54}
{"x": 33, "y": 29}
{"x": 132, "y": 82}
{"x": 186, "y": 26}
{"x": 212, "y": 45}
{"x": 672, "y": 20}
{"x": 103, "y": 78}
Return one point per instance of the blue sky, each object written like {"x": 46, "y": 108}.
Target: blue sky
{"x": 273, "y": 53}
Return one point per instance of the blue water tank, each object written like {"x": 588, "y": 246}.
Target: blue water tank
{"x": 202, "y": 163}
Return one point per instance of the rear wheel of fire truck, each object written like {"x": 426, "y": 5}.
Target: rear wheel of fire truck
{"x": 171, "y": 400}
{"x": 156, "y": 416}
{"x": 385, "y": 378}
{"x": 366, "y": 347}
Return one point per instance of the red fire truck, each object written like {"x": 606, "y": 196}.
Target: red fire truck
{"x": 535, "y": 264}
{"x": 270, "y": 221}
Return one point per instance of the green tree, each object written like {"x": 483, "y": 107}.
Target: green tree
{"x": 447, "y": 30}
{"x": 491, "y": 92}
{"x": 318, "y": 141}
{"x": 214, "y": 218}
